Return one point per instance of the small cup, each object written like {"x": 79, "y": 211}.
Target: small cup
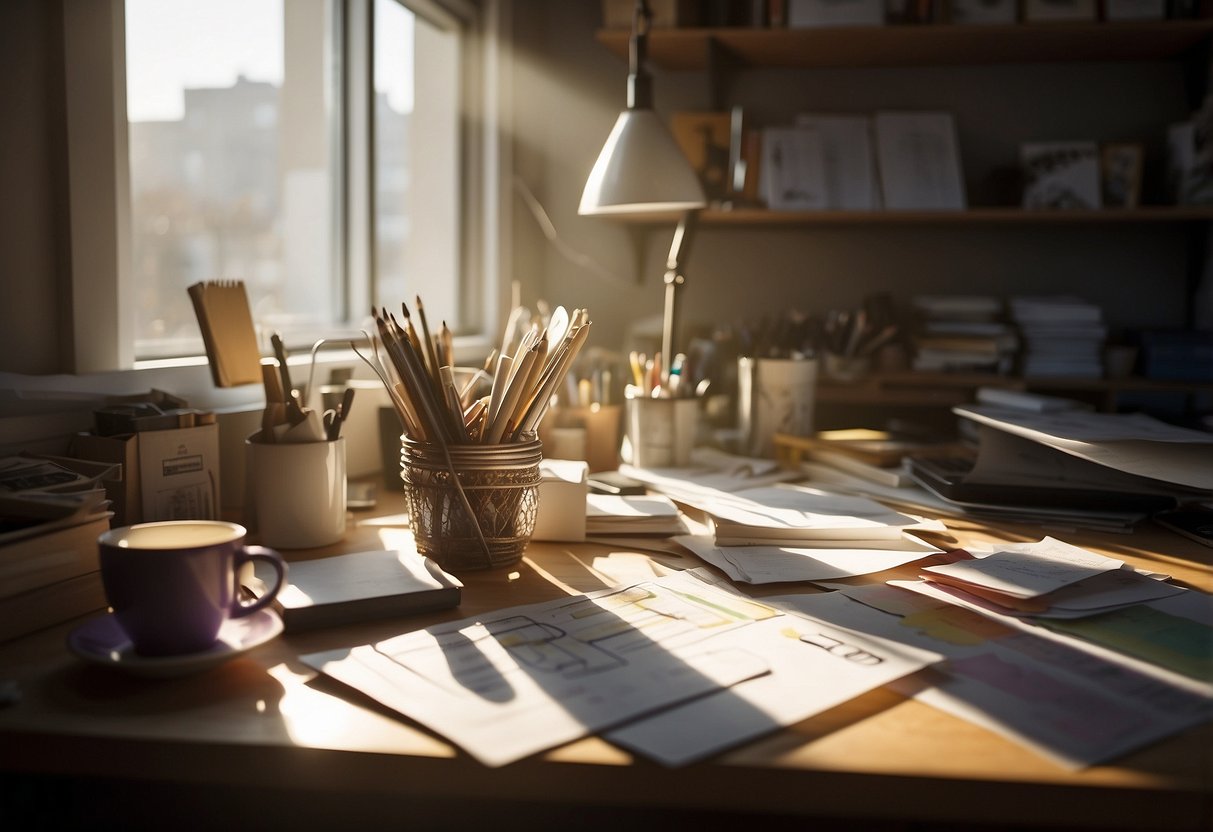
{"x": 774, "y": 395}
{"x": 297, "y": 492}
{"x": 661, "y": 432}
{"x": 172, "y": 584}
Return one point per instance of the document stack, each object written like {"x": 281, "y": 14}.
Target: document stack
{"x": 963, "y": 333}
{"x": 1072, "y": 467}
{"x": 1062, "y": 336}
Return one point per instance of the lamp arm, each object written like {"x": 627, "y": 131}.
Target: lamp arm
{"x": 680, "y": 249}
{"x": 640, "y": 83}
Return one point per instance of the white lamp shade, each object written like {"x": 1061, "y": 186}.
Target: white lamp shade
{"x": 641, "y": 169}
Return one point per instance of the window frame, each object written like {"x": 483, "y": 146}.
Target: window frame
{"x": 100, "y": 336}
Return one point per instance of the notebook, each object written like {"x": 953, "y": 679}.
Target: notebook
{"x": 363, "y": 586}
{"x": 228, "y": 333}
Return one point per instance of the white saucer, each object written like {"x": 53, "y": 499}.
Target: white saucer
{"x": 102, "y": 641}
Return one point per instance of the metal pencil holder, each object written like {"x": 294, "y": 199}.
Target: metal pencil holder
{"x": 499, "y": 483}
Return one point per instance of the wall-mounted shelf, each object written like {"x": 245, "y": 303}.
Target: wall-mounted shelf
{"x": 758, "y": 217}
{"x": 926, "y": 45}
{"x": 922, "y": 389}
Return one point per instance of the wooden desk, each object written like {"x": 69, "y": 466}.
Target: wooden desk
{"x": 86, "y": 745}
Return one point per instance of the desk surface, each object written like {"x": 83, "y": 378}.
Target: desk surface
{"x": 265, "y": 724}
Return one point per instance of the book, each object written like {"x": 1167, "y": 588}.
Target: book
{"x": 849, "y": 164}
{"x": 362, "y": 586}
{"x": 50, "y": 604}
{"x": 918, "y": 156}
{"x": 51, "y": 552}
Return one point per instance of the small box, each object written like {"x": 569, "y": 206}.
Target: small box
{"x": 562, "y": 491}
{"x": 166, "y": 474}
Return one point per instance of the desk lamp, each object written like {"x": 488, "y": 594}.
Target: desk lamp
{"x": 642, "y": 170}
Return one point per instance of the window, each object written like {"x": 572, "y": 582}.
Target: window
{"x": 254, "y": 156}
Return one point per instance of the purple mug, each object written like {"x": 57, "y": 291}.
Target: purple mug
{"x": 173, "y": 584}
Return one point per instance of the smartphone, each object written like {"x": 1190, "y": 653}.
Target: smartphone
{"x": 1195, "y": 522}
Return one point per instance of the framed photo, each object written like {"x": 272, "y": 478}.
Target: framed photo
{"x": 1120, "y": 169}
{"x": 982, "y": 11}
{"x": 1043, "y": 11}
{"x": 793, "y": 169}
{"x": 704, "y": 139}
{"x": 1135, "y": 9}
{"x": 918, "y": 156}
{"x": 803, "y": 14}
{"x": 1061, "y": 175}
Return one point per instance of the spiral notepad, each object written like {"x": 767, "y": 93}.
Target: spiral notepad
{"x": 227, "y": 328}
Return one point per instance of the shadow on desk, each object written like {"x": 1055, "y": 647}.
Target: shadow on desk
{"x": 101, "y": 805}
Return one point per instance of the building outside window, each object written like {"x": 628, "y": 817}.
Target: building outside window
{"x": 254, "y": 157}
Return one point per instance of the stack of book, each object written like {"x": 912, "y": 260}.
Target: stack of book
{"x": 1062, "y": 336}
{"x": 963, "y": 333}
{"x": 50, "y": 517}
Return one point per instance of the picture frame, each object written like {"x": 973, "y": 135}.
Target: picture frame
{"x": 793, "y": 169}
{"x": 803, "y": 14}
{"x": 1061, "y": 175}
{"x": 1044, "y": 11}
{"x": 1120, "y": 165}
{"x": 705, "y": 139}
{"x": 982, "y": 11}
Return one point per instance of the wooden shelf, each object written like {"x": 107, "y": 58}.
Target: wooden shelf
{"x": 926, "y": 45}
{"x": 922, "y": 389}
{"x": 757, "y": 217}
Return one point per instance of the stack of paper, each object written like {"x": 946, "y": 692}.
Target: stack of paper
{"x": 1048, "y": 579}
{"x": 1063, "y": 336}
{"x": 632, "y": 514}
{"x": 795, "y": 533}
{"x": 790, "y": 515}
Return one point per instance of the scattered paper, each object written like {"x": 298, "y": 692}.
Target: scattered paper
{"x": 814, "y": 666}
{"x": 522, "y": 680}
{"x": 775, "y": 564}
{"x": 1048, "y": 566}
{"x": 1071, "y": 705}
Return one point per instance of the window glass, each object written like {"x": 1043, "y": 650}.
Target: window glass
{"x": 418, "y": 78}
{"x": 233, "y": 162}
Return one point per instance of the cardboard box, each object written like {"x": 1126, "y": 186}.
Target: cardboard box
{"x": 179, "y": 473}
{"x": 562, "y": 491}
{"x": 166, "y": 474}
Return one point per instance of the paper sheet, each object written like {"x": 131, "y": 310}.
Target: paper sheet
{"x": 774, "y": 564}
{"x": 814, "y": 666}
{"x": 1046, "y": 567}
{"x": 522, "y": 680}
{"x": 1071, "y": 705}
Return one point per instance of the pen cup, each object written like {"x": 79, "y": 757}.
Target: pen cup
{"x": 661, "y": 432}
{"x": 296, "y": 492}
{"x": 774, "y": 395}
{"x": 588, "y": 433}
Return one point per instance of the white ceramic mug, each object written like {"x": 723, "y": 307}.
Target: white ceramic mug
{"x": 775, "y": 395}
{"x": 661, "y": 432}
{"x": 296, "y": 492}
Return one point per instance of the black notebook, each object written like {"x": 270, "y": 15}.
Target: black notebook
{"x": 363, "y": 586}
